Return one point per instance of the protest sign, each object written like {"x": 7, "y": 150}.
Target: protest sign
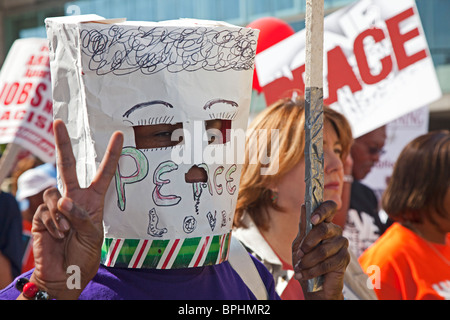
{"x": 26, "y": 114}
{"x": 377, "y": 65}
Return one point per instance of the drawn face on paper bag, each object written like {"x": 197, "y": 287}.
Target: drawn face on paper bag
{"x": 175, "y": 97}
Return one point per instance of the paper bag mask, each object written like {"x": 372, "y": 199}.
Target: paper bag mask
{"x": 116, "y": 75}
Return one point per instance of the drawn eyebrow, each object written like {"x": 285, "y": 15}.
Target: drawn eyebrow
{"x": 210, "y": 103}
{"x": 146, "y": 104}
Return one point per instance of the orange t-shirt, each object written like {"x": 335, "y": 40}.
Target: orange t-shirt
{"x": 402, "y": 265}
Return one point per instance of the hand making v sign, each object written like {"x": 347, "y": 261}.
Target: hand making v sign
{"x": 67, "y": 229}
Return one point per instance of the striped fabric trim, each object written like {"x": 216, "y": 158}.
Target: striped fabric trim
{"x": 165, "y": 254}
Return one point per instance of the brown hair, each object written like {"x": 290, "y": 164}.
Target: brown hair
{"x": 420, "y": 180}
{"x": 287, "y": 116}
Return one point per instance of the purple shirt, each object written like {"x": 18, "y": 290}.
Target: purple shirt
{"x": 219, "y": 282}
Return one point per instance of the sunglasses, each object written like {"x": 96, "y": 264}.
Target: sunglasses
{"x": 376, "y": 151}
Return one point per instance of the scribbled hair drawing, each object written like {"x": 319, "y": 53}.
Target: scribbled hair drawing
{"x": 124, "y": 50}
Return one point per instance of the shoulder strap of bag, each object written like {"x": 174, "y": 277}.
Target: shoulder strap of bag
{"x": 243, "y": 264}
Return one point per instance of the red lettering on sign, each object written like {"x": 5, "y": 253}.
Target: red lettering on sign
{"x": 23, "y": 96}
{"x": 48, "y": 107}
{"x": 398, "y": 40}
{"x": 20, "y": 114}
{"x": 38, "y": 60}
{"x": 40, "y": 122}
{"x": 30, "y": 116}
{"x": 50, "y": 128}
{"x": 3, "y": 90}
{"x": 11, "y": 93}
{"x": 361, "y": 57}
{"x": 30, "y": 61}
{"x": 280, "y": 87}
{"x": 340, "y": 74}
{"x": 21, "y": 93}
{"x": 36, "y": 101}
{"x": 5, "y": 115}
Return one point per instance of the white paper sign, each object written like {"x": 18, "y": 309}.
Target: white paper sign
{"x": 377, "y": 65}
{"x": 26, "y": 115}
{"x": 123, "y": 75}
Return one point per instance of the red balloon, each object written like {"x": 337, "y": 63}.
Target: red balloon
{"x": 272, "y": 31}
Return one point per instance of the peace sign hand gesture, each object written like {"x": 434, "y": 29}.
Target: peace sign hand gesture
{"x": 68, "y": 229}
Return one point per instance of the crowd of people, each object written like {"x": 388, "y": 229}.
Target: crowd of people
{"x": 45, "y": 229}
{"x": 269, "y": 211}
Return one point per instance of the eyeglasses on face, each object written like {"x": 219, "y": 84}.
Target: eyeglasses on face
{"x": 376, "y": 151}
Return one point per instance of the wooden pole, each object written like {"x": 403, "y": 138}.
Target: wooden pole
{"x": 314, "y": 116}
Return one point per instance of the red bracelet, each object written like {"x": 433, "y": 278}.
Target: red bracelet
{"x": 30, "y": 290}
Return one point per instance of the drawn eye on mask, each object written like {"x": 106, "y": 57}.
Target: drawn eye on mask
{"x": 159, "y": 132}
{"x": 153, "y": 131}
{"x": 174, "y": 89}
{"x": 218, "y": 129}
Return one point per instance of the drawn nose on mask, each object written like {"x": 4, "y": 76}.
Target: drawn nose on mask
{"x": 196, "y": 174}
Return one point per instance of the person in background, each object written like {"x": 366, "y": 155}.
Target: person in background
{"x": 10, "y": 239}
{"x": 363, "y": 225}
{"x": 30, "y": 194}
{"x": 269, "y": 205}
{"x": 411, "y": 260}
{"x": 26, "y": 162}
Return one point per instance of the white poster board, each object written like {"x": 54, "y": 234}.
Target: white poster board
{"x": 26, "y": 116}
{"x": 129, "y": 76}
{"x": 377, "y": 65}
